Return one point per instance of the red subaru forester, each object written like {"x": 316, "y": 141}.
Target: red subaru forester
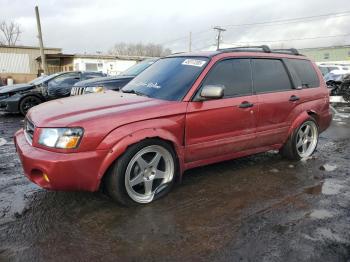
{"x": 184, "y": 111}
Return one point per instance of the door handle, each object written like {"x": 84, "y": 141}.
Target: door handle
{"x": 294, "y": 98}
{"x": 246, "y": 104}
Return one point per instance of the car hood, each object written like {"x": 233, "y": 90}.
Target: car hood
{"x": 15, "y": 88}
{"x": 105, "y": 111}
{"x": 97, "y": 80}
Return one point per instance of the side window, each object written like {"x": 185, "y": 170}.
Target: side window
{"x": 65, "y": 80}
{"x": 234, "y": 75}
{"x": 305, "y": 72}
{"x": 270, "y": 75}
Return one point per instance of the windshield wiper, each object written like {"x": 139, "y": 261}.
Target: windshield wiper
{"x": 132, "y": 91}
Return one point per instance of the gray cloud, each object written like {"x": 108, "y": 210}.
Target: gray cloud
{"x": 83, "y": 26}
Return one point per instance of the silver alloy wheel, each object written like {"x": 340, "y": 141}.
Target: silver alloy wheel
{"x": 148, "y": 172}
{"x": 307, "y": 138}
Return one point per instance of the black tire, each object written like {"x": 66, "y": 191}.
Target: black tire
{"x": 289, "y": 149}
{"x": 115, "y": 184}
{"x": 27, "y": 103}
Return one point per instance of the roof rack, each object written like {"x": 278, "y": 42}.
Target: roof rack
{"x": 260, "y": 48}
{"x": 264, "y": 48}
{"x": 292, "y": 51}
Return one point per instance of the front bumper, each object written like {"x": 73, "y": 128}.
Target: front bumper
{"x": 10, "y": 104}
{"x": 60, "y": 171}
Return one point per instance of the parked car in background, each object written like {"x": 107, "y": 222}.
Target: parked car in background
{"x": 327, "y": 68}
{"x": 339, "y": 84}
{"x": 98, "y": 85}
{"x": 336, "y": 75}
{"x": 184, "y": 111}
{"x": 20, "y": 98}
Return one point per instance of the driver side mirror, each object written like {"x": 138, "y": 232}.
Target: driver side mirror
{"x": 211, "y": 92}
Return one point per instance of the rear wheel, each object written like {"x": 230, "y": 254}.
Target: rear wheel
{"x": 303, "y": 142}
{"x": 27, "y": 103}
{"x": 145, "y": 172}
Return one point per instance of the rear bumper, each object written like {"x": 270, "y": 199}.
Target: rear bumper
{"x": 65, "y": 172}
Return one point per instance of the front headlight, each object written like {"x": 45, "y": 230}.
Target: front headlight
{"x": 94, "y": 89}
{"x": 66, "y": 138}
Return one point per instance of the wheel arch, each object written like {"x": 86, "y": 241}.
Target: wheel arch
{"x": 314, "y": 115}
{"x": 27, "y": 95}
{"x": 125, "y": 142}
{"x": 298, "y": 121}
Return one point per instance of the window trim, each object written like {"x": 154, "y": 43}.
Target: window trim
{"x": 286, "y": 68}
{"x": 200, "y": 86}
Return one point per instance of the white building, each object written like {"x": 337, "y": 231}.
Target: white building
{"x": 110, "y": 65}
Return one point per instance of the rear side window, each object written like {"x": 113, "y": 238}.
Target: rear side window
{"x": 270, "y": 75}
{"x": 305, "y": 72}
{"x": 234, "y": 75}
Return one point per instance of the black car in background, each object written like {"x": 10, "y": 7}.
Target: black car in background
{"x": 20, "y": 98}
{"x": 115, "y": 83}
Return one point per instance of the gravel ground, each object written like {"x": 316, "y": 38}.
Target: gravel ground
{"x": 258, "y": 208}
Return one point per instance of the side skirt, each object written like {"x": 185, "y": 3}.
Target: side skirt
{"x": 235, "y": 155}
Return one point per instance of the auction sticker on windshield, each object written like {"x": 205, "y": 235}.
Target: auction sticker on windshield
{"x": 194, "y": 62}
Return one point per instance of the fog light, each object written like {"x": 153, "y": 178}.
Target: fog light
{"x": 46, "y": 178}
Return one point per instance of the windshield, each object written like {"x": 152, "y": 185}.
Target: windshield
{"x": 168, "y": 78}
{"x": 138, "y": 68}
{"x": 42, "y": 79}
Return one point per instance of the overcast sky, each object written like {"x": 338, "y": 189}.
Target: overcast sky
{"x": 80, "y": 26}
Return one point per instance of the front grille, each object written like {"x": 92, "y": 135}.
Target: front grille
{"x": 29, "y": 128}
{"x": 76, "y": 91}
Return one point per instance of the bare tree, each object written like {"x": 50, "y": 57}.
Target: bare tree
{"x": 139, "y": 49}
{"x": 9, "y": 33}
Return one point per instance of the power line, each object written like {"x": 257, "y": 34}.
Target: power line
{"x": 185, "y": 37}
{"x": 271, "y": 41}
{"x": 291, "y": 39}
{"x": 293, "y": 20}
{"x": 267, "y": 23}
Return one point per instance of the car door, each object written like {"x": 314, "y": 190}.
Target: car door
{"x": 61, "y": 85}
{"x": 278, "y": 100}
{"x": 215, "y": 128}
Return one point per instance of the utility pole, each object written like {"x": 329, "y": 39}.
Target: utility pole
{"x": 190, "y": 43}
{"x": 219, "y": 29}
{"x": 40, "y": 36}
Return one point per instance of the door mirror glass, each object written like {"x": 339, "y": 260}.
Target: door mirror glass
{"x": 212, "y": 92}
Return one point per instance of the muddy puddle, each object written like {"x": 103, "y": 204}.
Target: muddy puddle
{"x": 259, "y": 208}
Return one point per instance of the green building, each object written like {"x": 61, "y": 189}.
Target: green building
{"x": 332, "y": 54}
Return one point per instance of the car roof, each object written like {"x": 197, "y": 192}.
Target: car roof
{"x": 330, "y": 65}
{"x": 195, "y": 54}
{"x": 339, "y": 72}
{"x": 245, "y": 49}
{"x": 79, "y": 72}
{"x": 103, "y": 79}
